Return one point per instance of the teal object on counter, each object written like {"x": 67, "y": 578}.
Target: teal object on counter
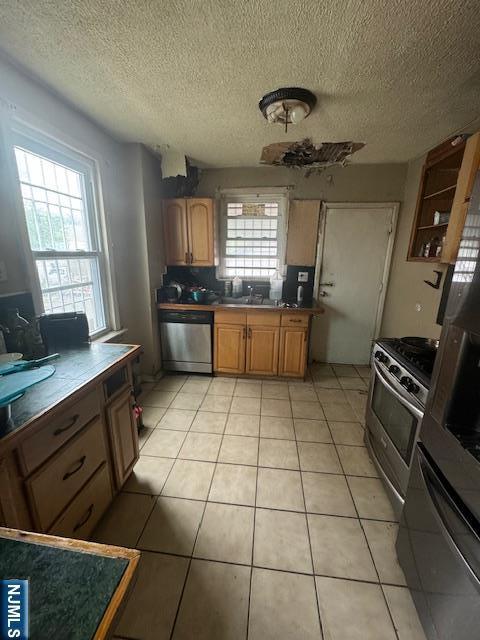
{"x": 22, "y": 365}
{"x": 14, "y": 385}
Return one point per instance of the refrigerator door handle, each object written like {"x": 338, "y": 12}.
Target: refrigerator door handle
{"x": 418, "y": 413}
{"x": 433, "y": 486}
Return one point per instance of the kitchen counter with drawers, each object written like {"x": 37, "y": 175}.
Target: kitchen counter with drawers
{"x": 72, "y": 443}
{"x": 257, "y": 340}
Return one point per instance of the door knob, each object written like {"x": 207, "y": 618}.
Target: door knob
{"x": 323, "y": 294}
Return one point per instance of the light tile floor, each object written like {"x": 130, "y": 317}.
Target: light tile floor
{"x": 260, "y": 515}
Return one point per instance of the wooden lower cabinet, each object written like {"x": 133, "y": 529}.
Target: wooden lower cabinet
{"x": 123, "y": 435}
{"x": 262, "y": 350}
{"x": 229, "y": 348}
{"x": 293, "y": 352}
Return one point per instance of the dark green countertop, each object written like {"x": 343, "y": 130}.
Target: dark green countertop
{"x": 69, "y": 590}
{"x": 73, "y": 369}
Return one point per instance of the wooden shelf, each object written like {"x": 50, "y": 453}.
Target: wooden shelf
{"x": 440, "y": 192}
{"x": 422, "y": 259}
{"x": 433, "y": 226}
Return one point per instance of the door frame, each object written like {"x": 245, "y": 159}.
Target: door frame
{"x": 332, "y": 206}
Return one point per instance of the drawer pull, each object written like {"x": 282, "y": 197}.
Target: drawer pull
{"x": 79, "y": 464}
{"x": 295, "y": 320}
{"x": 85, "y": 518}
{"x": 57, "y": 432}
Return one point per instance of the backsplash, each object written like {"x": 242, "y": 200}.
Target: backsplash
{"x": 291, "y": 284}
{"x": 206, "y": 277}
{"x": 21, "y": 301}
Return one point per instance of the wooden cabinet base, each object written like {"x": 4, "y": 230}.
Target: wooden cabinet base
{"x": 293, "y": 352}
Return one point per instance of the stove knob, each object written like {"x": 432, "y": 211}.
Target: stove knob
{"x": 378, "y": 355}
{"x": 394, "y": 369}
{"x": 409, "y": 385}
{"x": 381, "y": 357}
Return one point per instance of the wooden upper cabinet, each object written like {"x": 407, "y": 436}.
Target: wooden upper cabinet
{"x": 123, "y": 435}
{"x": 229, "y": 348}
{"x": 175, "y": 232}
{"x": 189, "y": 231}
{"x": 200, "y": 231}
{"x": 302, "y": 236}
{"x": 293, "y": 352}
{"x": 262, "y": 350}
{"x": 466, "y": 177}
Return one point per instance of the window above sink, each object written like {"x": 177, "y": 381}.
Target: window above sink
{"x": 252, "y": 233}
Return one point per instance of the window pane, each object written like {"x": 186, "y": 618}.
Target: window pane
{"x": 72, "y": 284}
{"x": 46, "y": 185}
{"x": 58, "y": 221}
{"x": 251, "y": 247}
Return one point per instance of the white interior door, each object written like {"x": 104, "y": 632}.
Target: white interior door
{"x": 353, "y": 262}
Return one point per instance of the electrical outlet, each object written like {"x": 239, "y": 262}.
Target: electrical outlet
{"x": 303, "y": 276}
{"x": 3, "y": 271}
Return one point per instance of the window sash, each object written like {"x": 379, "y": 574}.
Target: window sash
{"x": 56, "y": 154}
{"x": 254, "y": 245}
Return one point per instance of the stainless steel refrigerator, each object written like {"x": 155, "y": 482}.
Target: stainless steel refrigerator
{"x": 439, "y": 537}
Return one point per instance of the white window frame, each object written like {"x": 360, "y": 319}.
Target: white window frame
{"x": 264, "y": 194}
{"x": 22, "y": 135}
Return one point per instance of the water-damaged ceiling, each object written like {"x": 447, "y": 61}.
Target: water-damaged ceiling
{"x": 398, "y": 75}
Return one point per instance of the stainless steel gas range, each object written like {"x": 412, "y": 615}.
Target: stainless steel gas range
{"x": 401, "y": 371}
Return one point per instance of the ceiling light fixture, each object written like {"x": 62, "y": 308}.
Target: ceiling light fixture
{"x": 288, "y": 105}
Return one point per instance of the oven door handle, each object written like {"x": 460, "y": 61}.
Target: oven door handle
{"x": 418, "y": 413}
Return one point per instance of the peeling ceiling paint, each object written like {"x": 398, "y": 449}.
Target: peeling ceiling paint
{"x": 398, "y": 75}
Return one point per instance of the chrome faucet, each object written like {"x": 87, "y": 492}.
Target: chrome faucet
{"x": 252, "y": 295}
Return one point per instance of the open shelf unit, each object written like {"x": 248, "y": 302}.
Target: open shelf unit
{"x": 437, "y": 190}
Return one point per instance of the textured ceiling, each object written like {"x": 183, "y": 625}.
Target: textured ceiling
{"x": 398, "y": 75}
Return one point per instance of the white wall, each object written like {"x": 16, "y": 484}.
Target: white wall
{"x": 122, "y": 185}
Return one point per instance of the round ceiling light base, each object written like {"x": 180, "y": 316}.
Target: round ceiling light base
{"x": 288, "y": 105}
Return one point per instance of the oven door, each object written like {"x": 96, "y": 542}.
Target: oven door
{"x": 393, "y": 422}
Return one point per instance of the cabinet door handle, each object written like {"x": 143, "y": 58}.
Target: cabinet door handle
{"x": 249, "y": 332}
{"x": 305, "y": 336}
{"x": 78, "y": 465}
{"x": 60, "y": 430}
{"x": 191, "y": 258}
{"x": 186, "y": 257}
{"x": 85, "y": 518}
{"x": 244, "y": 332}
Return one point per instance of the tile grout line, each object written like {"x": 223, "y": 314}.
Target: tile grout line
{"x": 241, "y": 504}
{"x": 253, "y": 538}
{"x": 196, "y": 536}
{"x": 309, "y": 541}
{"x": 368, "y": 544}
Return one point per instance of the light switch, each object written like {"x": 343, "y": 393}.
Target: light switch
{"x": 3, "y": 271}
{"x": 303, "y": 276}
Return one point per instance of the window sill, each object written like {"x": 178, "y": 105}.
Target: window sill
{"x": 110, "y": 336}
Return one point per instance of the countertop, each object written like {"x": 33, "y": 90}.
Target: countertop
{"x": 75, "y": 587}
{"x": 312, "y": 309}
{"x": 74, "y": 369}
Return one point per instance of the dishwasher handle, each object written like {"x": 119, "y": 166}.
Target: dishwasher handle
{"x": 186, "y": 317}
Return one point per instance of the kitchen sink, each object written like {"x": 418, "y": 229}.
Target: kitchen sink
{"x": 246, "y": 300}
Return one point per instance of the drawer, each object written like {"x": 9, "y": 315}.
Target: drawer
{"x": 82, "y": 515}
{"x": 264, "y": 318}
{"x": 223, "y": 316}
{"x": 295, "y": 319}
{"x": 43, "y": 443}
{"x": 53, "y": 486}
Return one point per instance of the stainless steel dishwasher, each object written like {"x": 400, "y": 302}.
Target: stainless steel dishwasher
{"x": 186, "y": 339}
